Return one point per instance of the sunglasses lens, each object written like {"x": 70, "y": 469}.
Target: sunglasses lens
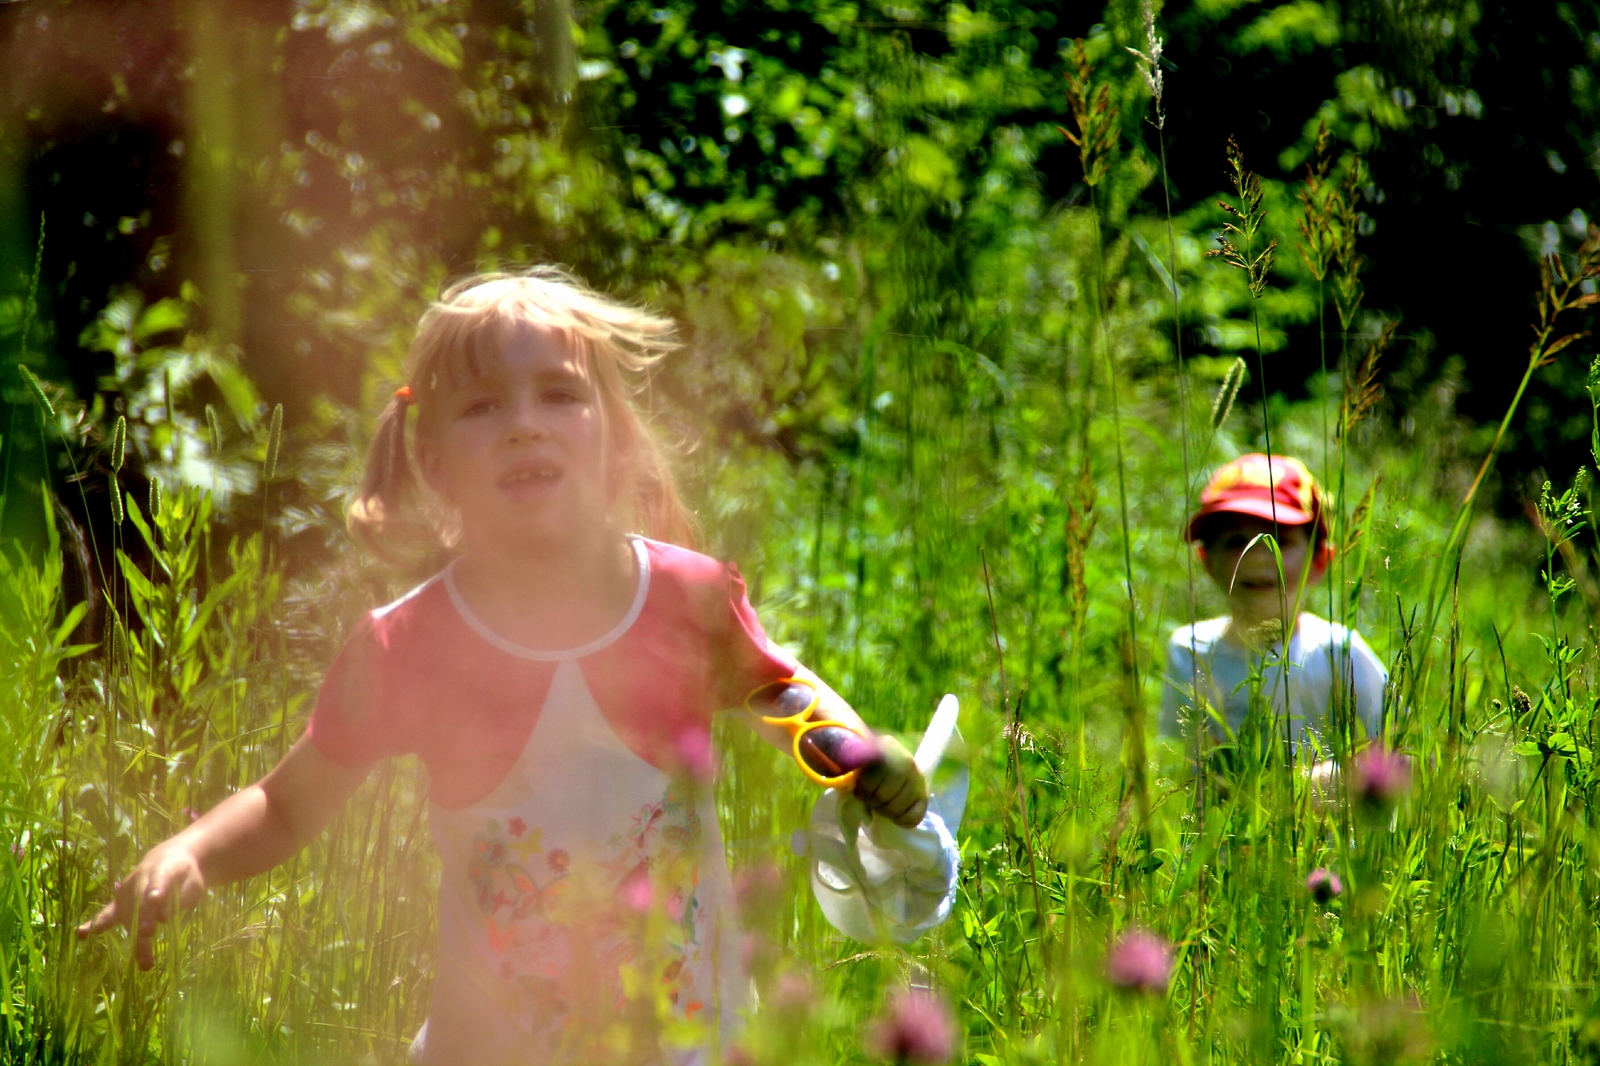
{"x": 832, "y": 750}
{"x": 784, "y": 698}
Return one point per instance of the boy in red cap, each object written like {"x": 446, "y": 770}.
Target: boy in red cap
{"x": 1212, "y": 661}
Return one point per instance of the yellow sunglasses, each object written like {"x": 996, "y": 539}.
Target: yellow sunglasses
{"x": 821, "y": 745}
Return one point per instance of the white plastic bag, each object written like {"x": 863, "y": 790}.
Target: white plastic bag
{"x": 878, "y": 882}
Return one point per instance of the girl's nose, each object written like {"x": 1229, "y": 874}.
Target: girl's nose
{"x": 524, "y": 422}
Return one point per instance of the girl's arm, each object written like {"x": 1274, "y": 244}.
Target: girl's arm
{"x": 890, "y": 784}
{"x": 251, "y": 831}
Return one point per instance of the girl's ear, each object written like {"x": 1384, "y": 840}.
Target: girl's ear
{"x": 428, "y": 464}
{"x": 620, "y": 457}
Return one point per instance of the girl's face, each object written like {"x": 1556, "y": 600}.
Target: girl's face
{"x": 521, "y": 451}
{"x": 1250, "y": 578}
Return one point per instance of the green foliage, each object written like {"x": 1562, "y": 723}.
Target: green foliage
{"x": 904, "y": 328}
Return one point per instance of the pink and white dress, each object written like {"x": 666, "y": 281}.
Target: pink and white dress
{"x": 584, "y": 906}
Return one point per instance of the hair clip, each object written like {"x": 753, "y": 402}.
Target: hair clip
{"x": 405, "y": 395}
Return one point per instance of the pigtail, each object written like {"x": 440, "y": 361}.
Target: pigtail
{"x": 387, "y": 486}
{"x": 657, "y": 507}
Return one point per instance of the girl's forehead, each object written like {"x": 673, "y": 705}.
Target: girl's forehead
{"x": 514, "y": 350}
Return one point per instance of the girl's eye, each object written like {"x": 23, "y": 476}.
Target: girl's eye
{"x": 561, "y": 396}
{"x": 478, "y": 407}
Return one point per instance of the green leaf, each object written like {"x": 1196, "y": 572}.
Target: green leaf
{"x": 437, "y": 43}
{"x": 137, "y": 518}
{"x": 197, "y": 625}
{"x": 238, "y": 391}
{"x": 139, "y": 586}
{"x": 1527, "y": 747}
{"x": 163, "y": 316}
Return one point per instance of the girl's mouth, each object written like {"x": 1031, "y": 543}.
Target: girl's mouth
{"x": 531, "y": 477}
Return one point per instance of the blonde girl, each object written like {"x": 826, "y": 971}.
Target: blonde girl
{"x": 557, "y": 678}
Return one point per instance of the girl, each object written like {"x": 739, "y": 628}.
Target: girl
{"x": 557, "y": 679}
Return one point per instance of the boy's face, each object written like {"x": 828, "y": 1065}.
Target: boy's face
{"x": 1250, "y": 578}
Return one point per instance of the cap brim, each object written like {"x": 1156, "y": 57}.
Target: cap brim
{"x": 1282, "y": 513}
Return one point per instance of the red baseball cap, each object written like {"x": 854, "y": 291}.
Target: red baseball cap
{"x": 1282, "y": 490}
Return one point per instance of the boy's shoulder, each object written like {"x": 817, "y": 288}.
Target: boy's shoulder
{"x": 1318, "y": 632}
{"x": 1200, "y": 636}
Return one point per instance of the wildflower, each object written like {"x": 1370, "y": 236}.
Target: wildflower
{"x": 793, "y": 993}
{"x": 916, "y": 1028}
{"x": 1383, "y": 777}
{"x": 558, "y": 860}
{"x": 759, "y": 890}
{"x": 1389, "y": 1032}
{"x": 693, "y": 749}
{"x": 1324, "y": 885}
{"x": 517, "y": 826}
{"x": 1140, "y": 961}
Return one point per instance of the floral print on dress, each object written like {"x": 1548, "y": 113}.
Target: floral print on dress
{"x": 548, "y": 912}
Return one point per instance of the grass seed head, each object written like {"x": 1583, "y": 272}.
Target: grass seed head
{"x": 1593, "y": 387}
{"x": 1222, "y": 406}
{"x": 119, "y": 443}
{"x": 1093, "y": 113}
{"x": 274, "y": 440}
{"x": 36, "y": 387}
{"x": 1318, "y": 204}
{"x": 1149, "y": 62}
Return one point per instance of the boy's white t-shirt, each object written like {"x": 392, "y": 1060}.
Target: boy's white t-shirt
{"x": 1326, "y": 660}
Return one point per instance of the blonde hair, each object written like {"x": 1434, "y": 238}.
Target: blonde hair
{"x": 391, "y": 512}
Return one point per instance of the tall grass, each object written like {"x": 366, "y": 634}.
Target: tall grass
{"x": 957, "y": 548}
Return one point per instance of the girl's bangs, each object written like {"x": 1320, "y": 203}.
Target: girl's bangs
{"x": 468, "y": 344}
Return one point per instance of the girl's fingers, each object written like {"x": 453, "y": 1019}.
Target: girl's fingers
{"x": 912, "y": 816}
{"x": 109, "y": 916}
{"x": 144, "y": 951}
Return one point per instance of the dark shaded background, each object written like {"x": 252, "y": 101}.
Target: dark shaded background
{"x": 112, "y": 112}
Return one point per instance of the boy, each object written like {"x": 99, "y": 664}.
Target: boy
{"x": 1211, "y": 661}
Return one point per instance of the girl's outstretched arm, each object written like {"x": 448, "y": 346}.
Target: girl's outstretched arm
{"x": 251, "y": 831}
{"x": 891, "y": 783}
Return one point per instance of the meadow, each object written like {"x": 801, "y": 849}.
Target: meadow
{"x": 964, "y": 467}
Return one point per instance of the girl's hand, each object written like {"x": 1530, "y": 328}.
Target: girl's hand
{"x": 892, "y": 785}
{"x": 168, "y": 878}
{"x": 251, "y": 831}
